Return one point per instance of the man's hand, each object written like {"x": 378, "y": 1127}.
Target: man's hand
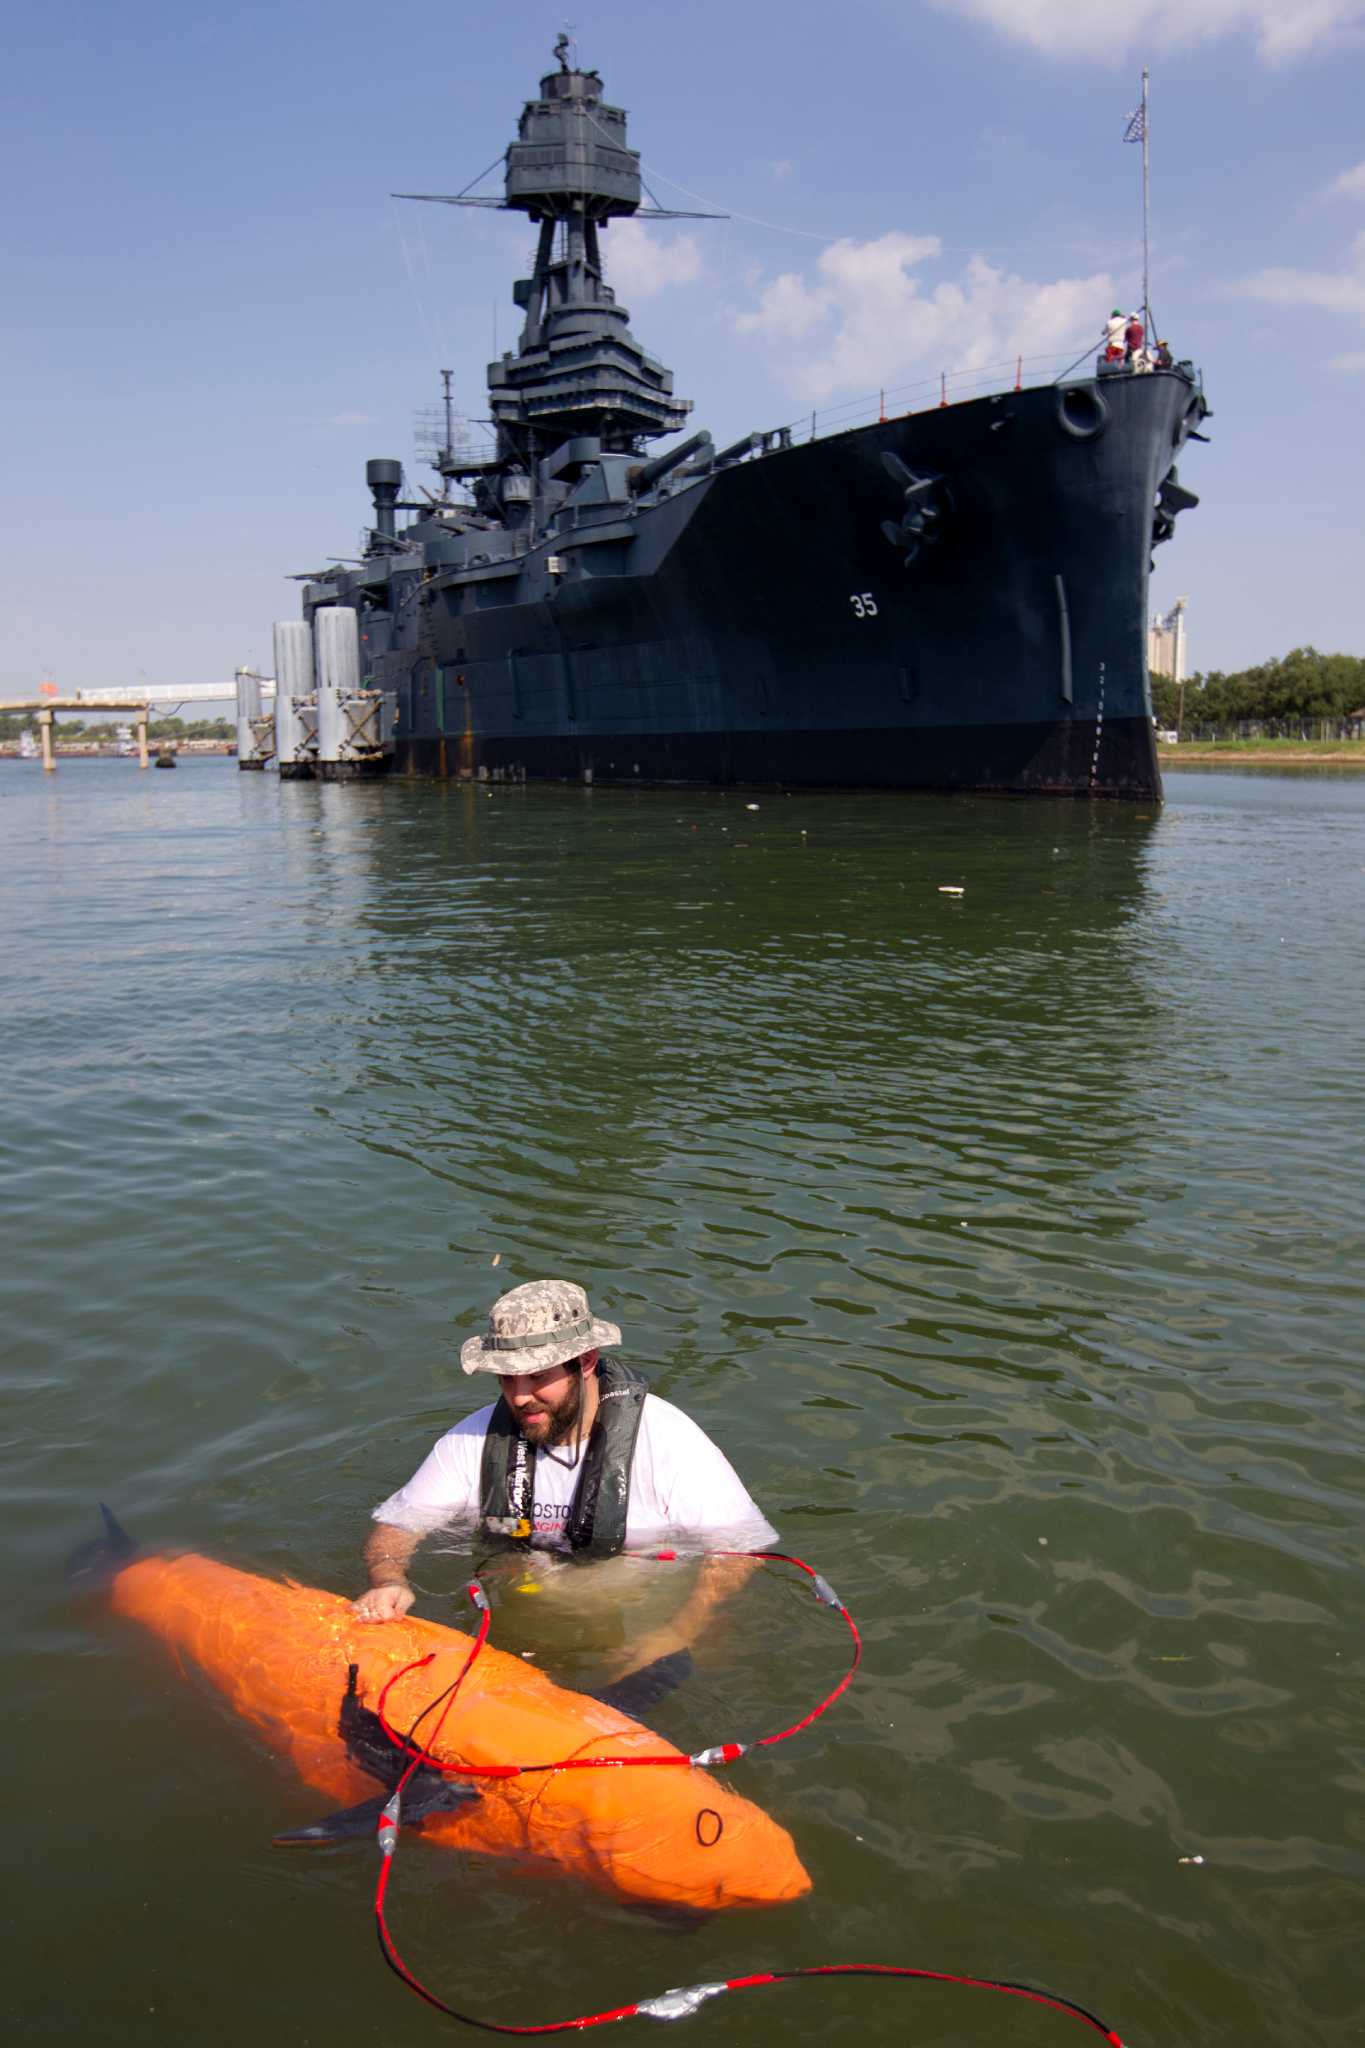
{"x": 389, "y": 1602}
{"x": 717, "y": 1579}
{"x": 387, "y": 1555}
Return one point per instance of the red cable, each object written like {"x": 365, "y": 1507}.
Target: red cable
{"x": 687, "y": 1999}
{"x": 481, "y": 1637}
{"x": 721, "y": 1753}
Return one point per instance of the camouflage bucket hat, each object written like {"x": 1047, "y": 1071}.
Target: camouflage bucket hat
{"x": 544, "y": 1323}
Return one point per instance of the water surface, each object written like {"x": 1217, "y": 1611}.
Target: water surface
{"x": 1008, "y": 1242}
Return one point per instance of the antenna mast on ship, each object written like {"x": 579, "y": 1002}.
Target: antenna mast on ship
{"x": 1138, "y": 131}
{"x": 448, "y": 450}
{"x": 1146, "y": 209}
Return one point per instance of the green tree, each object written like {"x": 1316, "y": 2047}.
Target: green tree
{"x": 1287, "y": 692}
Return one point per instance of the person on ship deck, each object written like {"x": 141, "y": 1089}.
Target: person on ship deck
{"x": 1113, "y": 337}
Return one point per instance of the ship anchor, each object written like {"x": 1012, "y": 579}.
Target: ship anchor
{"x": 1171, "y": 500}
{"x": 926, "y": 501}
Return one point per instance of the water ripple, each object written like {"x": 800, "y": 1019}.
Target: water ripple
{"x": 1008, "y": 1243}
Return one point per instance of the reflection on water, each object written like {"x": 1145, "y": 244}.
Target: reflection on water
{"x": 1007, "y": 1243}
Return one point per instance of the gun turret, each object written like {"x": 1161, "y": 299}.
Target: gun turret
{"x": 649, "y": 473}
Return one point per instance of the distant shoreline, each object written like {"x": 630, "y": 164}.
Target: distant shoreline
{"x": 1262, "y": 754}
{"x": 184, "y": 750}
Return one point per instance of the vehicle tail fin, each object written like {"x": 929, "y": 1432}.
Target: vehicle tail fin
{"x": 102, "y": 1557}
{"x": 420, "y": 1802}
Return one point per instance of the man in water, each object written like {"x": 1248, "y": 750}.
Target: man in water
{"x": 575, "y": 1456}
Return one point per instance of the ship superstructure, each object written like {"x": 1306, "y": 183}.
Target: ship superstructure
{"x": 953, "y": 599}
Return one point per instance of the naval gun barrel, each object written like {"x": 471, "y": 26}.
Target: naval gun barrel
{"x": 737, "y": 450}
{"x": 642, "y": 479}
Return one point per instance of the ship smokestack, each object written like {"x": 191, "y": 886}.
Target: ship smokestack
{"x": 384, "y": 478}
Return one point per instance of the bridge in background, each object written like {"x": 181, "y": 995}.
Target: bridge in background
{"x": 167, "y": 696}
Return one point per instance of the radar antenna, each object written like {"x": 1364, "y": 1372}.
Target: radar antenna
{"x": 443, "y": 438}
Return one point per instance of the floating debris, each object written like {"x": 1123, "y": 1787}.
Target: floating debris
{"x": 950, "y": 889}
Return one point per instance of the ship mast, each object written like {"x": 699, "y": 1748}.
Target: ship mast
{"x": 1137, "y": 131}
{"x": 578, "y": 372}
{"x": 1146, "y": 210}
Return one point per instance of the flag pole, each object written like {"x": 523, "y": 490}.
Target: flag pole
{"x": 1146, "y": 213}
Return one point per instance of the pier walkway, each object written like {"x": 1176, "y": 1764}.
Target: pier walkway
{"x": 166, "y": 696}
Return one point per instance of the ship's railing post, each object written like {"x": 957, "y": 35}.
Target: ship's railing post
{"x": 142, "y": 737}
{"x": 45, "y": 732}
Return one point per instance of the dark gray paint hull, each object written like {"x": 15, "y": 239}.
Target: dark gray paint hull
{"x": 1045, "y": 760}
{"x": 760, "y": 628}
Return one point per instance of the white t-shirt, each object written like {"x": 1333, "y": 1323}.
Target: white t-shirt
{"x": 682, "y": 1489}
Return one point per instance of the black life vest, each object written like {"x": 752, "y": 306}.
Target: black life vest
{"x": 597, "y": 1518}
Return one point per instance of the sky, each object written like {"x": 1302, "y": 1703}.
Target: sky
{"x": 213, "y": 311}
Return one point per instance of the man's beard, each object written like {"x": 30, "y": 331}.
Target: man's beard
{"x": 563, "y": 1419}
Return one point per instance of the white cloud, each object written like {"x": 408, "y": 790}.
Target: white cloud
{"x": 781, "y": 169}
{"x": 866, "y": 321}
{"x": 1327, "y": 291}
{"x": 1333, "y": 291}
{"x": 1350, "y": 185}
{"x": 642, "y": 260}
{"x": 1283, "y": 29}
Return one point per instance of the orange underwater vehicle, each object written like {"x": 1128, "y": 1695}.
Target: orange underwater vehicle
{"x": 297, "y": 1665}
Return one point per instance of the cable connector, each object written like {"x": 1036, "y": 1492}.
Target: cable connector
{"x": 824, "y": 1592}
{"x": 679, "y": 2003}
{"x": 388, "y": 1826}
{"x": 477, "y": 1595}
{"x": 723, "y": 1753}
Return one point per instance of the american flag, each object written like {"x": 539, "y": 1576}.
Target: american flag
{"x": 1137, "y": 125}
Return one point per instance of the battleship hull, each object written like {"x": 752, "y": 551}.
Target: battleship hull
{"x": 759, "y": 626}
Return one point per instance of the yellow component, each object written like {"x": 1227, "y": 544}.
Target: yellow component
{"x": 528, "y": 1586}
{"x": 522, "y": 1530}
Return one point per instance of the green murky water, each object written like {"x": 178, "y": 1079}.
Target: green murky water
{"x": 1008, "y": 1242}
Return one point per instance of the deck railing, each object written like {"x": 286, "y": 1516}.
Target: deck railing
{"x": 924, "y": 394}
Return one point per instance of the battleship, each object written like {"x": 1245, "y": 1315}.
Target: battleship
{"x": 955, "y": 599}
